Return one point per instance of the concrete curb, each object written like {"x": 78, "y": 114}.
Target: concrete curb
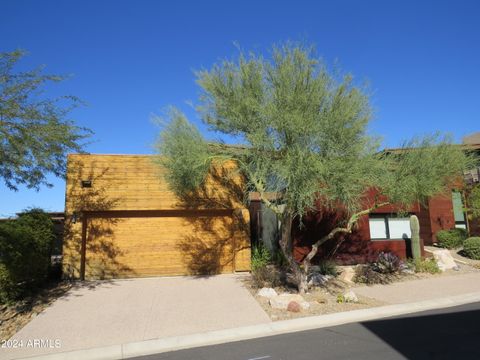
{"x": 149, "y": 347}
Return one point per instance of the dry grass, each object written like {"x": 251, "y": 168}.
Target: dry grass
{"x": 15, "y": 316}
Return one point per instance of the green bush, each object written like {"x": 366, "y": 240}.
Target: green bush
{"x": 261, "y": 257}
{"x": 471, "y": 247}
{"x": 25, "y": 250}
{"x": 264, "y": 273}
{"x": 327, "y": 267}
{"x": 428, "y": 265}
{"x": 451, "y": 239}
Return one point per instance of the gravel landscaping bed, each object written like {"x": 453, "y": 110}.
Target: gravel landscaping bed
{"x": 322, "y": 300}
{"x": 329, "y": 298}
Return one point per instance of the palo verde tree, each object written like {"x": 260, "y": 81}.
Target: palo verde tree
{"x": 35, "y": 134}
{"x": 306, "y": 140}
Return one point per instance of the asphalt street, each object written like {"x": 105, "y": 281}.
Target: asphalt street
{"x": 451, "y": 333}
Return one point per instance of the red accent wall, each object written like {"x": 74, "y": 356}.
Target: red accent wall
{"x": 438, "y": 215}
{"x": 357, "y": 247}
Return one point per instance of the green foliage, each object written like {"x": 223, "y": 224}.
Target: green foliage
{"x": 327, "y": 267}
{"x": 35, "y": 135}
{"x": 341, "y": 299}
{"x": 303, "y": 126}
{"x": 264, "y": 273}
{"x": 471, "y": 247}
{"x": 261, "y": 257}
{"x": 185, "y": 155}
{"x": 452, "y": 238}
{"x": 415, "y": 230}
{"x": 419, "y": 169}
{"x": 474, "y": 201}
{"x": 25, "y": 249}
{"x": 428, "y": 265}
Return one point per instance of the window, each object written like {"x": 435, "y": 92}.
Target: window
{"x": 386, "y": 226}
{"x": 458, "y": 213}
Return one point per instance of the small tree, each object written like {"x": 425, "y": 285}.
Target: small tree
{"x": 34, "y": 133}
{"x": 306, "y": 140}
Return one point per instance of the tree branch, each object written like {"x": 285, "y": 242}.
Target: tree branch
{"x": 346, "y": 230}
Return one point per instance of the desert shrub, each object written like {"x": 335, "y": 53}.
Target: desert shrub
{"x": 327, "y": 267}
{"x": 264, "y": 273}
{"x": 471, "y": 247}
{"x": 269, "y": 276}
{"x": 452, "y": 238}
{"x": 261, "y": 257}
{"x": 367, "y": 274}
{"x": 387, "y": 263}
{"x": 428, "y": 265}
{"x": 25, "y": 249}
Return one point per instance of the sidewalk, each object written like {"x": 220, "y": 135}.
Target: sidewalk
{"x": 424, "y": 289}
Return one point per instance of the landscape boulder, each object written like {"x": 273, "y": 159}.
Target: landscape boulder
{"x": 293, "y": 306}
{"x": 267, "y": 293}
{"x": 347, "y": 274}
{"x": 350, "y": 297}
{"x": 444, "y": 259}
{"x": 281, "y": 301}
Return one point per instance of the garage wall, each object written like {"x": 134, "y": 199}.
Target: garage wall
{"x": 131, "y": 224}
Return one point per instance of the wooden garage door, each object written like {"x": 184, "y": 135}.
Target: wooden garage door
{"x": 200, "y": 243}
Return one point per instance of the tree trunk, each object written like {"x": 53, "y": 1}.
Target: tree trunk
{"x": 286, "y": 244}
{"x": 338, "y": 230}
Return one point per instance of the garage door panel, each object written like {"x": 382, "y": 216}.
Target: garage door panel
{"x": 129, "y": 247}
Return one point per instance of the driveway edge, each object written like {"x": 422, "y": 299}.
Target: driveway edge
{"x": 155, "y": 346}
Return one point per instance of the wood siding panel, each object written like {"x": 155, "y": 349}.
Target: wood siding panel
{"x": 149, "y": 243}
{"x": 135, "y": 247}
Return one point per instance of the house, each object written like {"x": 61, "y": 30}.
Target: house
{"x": 383, "y": 230}
{"x": 121, "y": 220}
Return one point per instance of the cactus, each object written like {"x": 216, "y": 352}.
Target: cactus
{"x": 415, "y": 229}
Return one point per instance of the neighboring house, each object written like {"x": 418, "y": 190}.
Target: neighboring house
{"x": 123, "y": 221}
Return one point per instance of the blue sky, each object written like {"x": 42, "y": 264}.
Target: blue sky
{"x": 131, "y": 59}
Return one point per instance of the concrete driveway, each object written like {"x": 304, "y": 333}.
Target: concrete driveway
{"x": 120, "y": 311}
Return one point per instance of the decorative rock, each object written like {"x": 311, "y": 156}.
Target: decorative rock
{"x": 293, "y": 306}
{"x": 267, "y": 292}
{"x": 347, "y": 274}
{"x": 305, "y": 305}
{"x": 318, "y": 279}
{"x": 407, "y": 272}
{"x": 444, "y": 259}
{"x": 281, "y": 301}
{"x": 350, "y": 297}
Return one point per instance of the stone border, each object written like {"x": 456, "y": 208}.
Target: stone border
{"x": 150, "y": 347}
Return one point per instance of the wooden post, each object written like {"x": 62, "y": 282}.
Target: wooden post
{"x": 83, "y": 250}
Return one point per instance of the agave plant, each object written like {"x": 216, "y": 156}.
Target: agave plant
{"x": 387, "y": 263}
